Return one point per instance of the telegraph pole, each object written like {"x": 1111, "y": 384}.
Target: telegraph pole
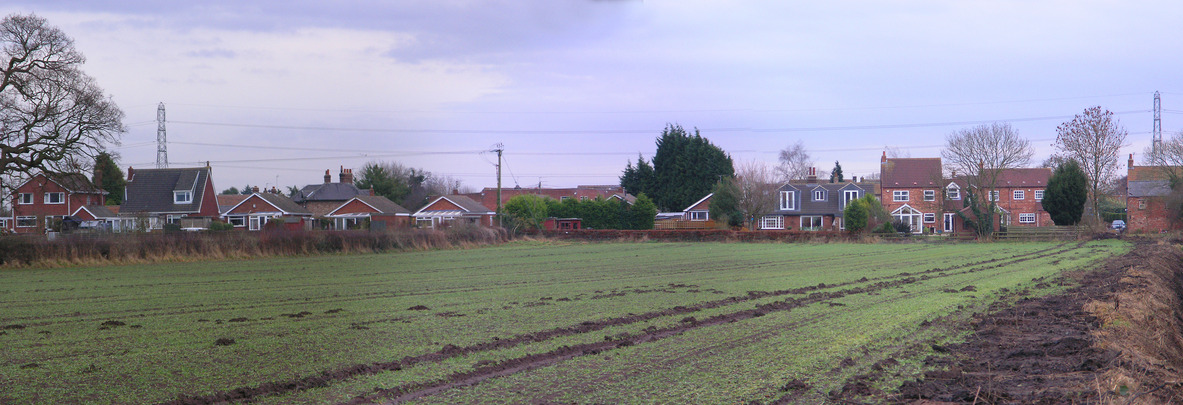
{"x": 499, "y": 148}
{"x": 1156, "y": 143}
{"x": 161, "y": 139}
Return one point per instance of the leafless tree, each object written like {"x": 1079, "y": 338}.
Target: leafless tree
{"x": 794, "y": 162}
{"x": 53, "y": 117}
{"x": 1168, "y": 158}
{"x": 895, "y": 152}
{"x": 756, "y": 185}
{"x": 1094, "y": 138}
{"x": 980, "y": 154}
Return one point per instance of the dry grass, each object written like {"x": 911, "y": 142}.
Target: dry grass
{"x": 104, "y": 249}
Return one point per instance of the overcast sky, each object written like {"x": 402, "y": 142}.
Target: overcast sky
{"x": 279, "y": 91}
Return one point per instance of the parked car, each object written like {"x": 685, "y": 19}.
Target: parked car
{"x": 1117, "y": 225}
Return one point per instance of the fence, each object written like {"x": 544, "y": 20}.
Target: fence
{"x": 1039, "y": 233}
{"x": 668, "y": 225}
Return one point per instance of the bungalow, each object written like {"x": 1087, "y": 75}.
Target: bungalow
{"x": 43, "y": 200}
{"x": 809, "y": 205}
{"x": 450, "y": 209}
{"x": 103, "y": 216}
{"x": 254, "y": 212}
{"x": 320, "y": 199}
{"x": 165, "y": 196}
{"x": 378, "y": 211}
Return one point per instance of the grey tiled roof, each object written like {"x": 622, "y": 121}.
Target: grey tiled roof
{"x": 383, "y": 204}
{"x": 328, "y": 192}
{"x": 151, "y": 190}
{"x": 284, "y": 203}
{"x": 1149, "y": 188}
{"x": 831, "y": 205}
{"x": 101, "y": 211}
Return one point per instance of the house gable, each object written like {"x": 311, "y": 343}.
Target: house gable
{"x": 252, "y": 205}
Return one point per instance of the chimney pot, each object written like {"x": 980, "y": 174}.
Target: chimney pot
{"x": 255, "y": 189}
{"x": 884, "y": 158}
{"x": 1130, "y": 165}
{"x": 328, "y": 177}
{"x": 130, "y": 173}
{"x": 346, "y": 175}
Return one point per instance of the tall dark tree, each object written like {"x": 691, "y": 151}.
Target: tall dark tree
{"x": 836, "y": 174}
{"x": 724, "y": 206}
{"x": 639, "y": 179}
{"x": 642, "y": 213}
{"x": 109, "y": 177}
{"x": 230, "y": 191}
{"x": 1066, "y": 193}
{"x": 686, "y": 167}
{"x": 383, "y": 181}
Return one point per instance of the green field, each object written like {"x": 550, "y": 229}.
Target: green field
{"x": 614, "y": 317}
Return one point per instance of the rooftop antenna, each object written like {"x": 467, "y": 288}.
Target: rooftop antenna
{"x": 161, "y": 139}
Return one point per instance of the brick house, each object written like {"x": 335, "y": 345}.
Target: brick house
{"x": 810, "y": 205}
{"x": 182, "y": 196}
{"x": 910, "y": 190}
{"x": 1148, "y": 189}
{"x": 378, "y": 211}
{"x": 43, "y": 200}
{"x": 258, "y": 209}
{"x": 102, "y": 216}
{"x": 451, "y": 209}
{"x": 320, "y": 199}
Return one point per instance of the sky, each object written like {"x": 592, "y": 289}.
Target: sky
{"x": 276, "y": 92}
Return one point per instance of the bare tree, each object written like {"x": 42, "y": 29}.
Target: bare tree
{"x": 1094, "y": 138}
{"x": 756, "y": 186}
{"x": 53, "y": 117}
{"x": 1168, "y": 158}
{"x": 794, "y": 162}
{"x": 981, "y": 153}
{"x": 896, "y": 153}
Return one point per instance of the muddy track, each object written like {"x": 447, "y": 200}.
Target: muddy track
{"x": 533, "y": 361}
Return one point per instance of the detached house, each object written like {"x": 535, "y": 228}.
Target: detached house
{"x": 323, "y": 198}
{"x": 911, "y": 191}
{"x": 379, "y": 211}
{"x": 258, "y": 209}
{"x": 42, "y": 201}
{"x": 166, "y": 196}
{"x": 812, "y": 206}
{"x": 451, "y": 209}
{"x": 1147, "y": 190}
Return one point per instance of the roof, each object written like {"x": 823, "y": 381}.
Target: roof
{"x": 100, "y": 211}
{"x": 1149, "y": 188}
{"x": 379, "y": 203}
{"x": 284, "y": 204}
{"x": 467, "y": 205}
{"x": 328, "y": 192}
{"x": 72, "y": 182}
{"x": 911, "y": 172}
{"x": 228, "y": 201}
{"x": 696, "y": 203}
{"x": 1139, "y": 173}
{"x": 151, "y": 190}
{"x": 1035, "y": 177}
{"x": 832, "y": 205}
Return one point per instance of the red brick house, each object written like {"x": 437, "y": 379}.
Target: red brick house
{"x": 323, "y": 198}
{"x": 1148, "y": 188}
{"x": 911, "y": 191}
{"x": 170, "y": 196}
{"x": 452, "y": 209}
{"x": 378, "y": 211}
{"x": 45, "y": 199}
{"x": 258, "y": 209}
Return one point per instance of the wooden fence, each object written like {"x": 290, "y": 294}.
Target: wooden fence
{"x": 1039, "y": 233}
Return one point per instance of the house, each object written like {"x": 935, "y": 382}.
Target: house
{"x": 320, "y": 199}
{"x": 378, "y": 211}
{"x": 228, "y": 201}
{"x": 700, "y": 211}
{"x": 104, "y": 217}
{"x": 810, "y": 205}
{"x": 488, "y": 196}
{"x": 1148, "y": 190}
{"x": 910, "y": 190}
{"x": 258, "y": 209}
{"x": 42, "y": 201}
{"x": 1018, "y": 196}
{"x": 183, "y": 196}
{"x": 562, "y": 224}
{"x": 695, "y": 216}
{"x": 451, "y": 209}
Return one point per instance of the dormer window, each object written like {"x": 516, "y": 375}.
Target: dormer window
{"x": 182, "y": 197}
{"x": 788, "y": 200}
{"x": 819, "y": 195}
{"x": 953, "y": 193}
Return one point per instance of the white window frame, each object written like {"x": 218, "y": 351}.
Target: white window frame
{"x": 700, "y": 215}
{"x": 26, "y": 218}
{"x": 1038, "y": 195}
{"x": 819, "y": 195}
{"x": 900, "y": 195}
{"x": 788, "y": 200}
{"x": 237, "y": 221}
{"x": 24, "y": 198}
{"x": 848, "y": 196}
{"x": 930, "y": 218}
{"x": 564, "y": 198}
{"x": 1027, "y": 218}
{"x": 772, "y": 222}
{"x": 174, "y": 219}
{"x": 930, "y": 195}
{"x": 256, "y": 222}
{"x": 1018, "y": 195}
{"x": 953, "y": 193}
{"x": 949, "y": 221}
{"x": 812, "y": 218}
{"x": 993, "y": 195}
{"x": 583, "y": 198}
{"x": 182, "y": 197}
{"x": 61, "y": 198}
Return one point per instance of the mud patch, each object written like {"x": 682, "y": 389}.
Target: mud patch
{"x": 333, "y": 311}
{"x": 418, "y": 308}
{"x": 240, "y": 320}
{"x": 300, "y": 314}
{"x": 15, "y": 326}
{"x": 224, "y": 342}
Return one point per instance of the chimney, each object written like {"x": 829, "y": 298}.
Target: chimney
{"x": 1130, "y": 164}
{"x": 328, "y": 177}
{"x": 274, "y": 190}
{"x": 884, "y": 158}
{"x": 98, "y": 177}
{"x": 812, "y": 176}
{"x": 130, "y": 173}
{"x": 346, "y": 175}
{"x": 455, "y": 191}
{"x": 254, "y": 189}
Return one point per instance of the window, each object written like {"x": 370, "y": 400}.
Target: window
{"x": 788, "y": 200}
{"x": 930, "y": 195}
{"x": 3, "y": 223}
{"x": 173, "y": 219}
{"x": 899, "y": 195}
{"x": 564, "y": 198}
{"x": 772, "y": 222}
{"x": 1019, "y": 194}
{"x": 848, "y": 196}
{"x": 700, "y": 215}
{"x": 256, "y": 222}
{"x": 819, "y": 195}
{"x": 949, "y": 221}
{"x": 583, "y": 198}
{"x": 930, "y": 218}
{"x": 55, "y": 198}
{"x": 993, "y": 196}
{"x": 1028, "y": 218}
{"x": 26, "y": 222}
{"x": 1141, "y": 204}
{"x": 1038, "y": 195}
{"x": 811, "y": 223}
{"x": 182, "y": 197}
{"x": 236, "y": 221}
{"x": 25, "y": 198}
{"x": 953, "y": 193}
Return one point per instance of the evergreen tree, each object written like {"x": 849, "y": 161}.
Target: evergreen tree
{"x": 109, "y": 177}
{"x": 527, "y": 211}
{"x": 230, "y": 191}
{"x": 836, "y": 174}
{"x": 725, "y": 203}
{"x": 642, "y": 213}
{"x": 686, "y": 167}
{"x": 384, "y": 183}
{"x": 639, "y": 179}
{"x": 855, "y": 216}
{"x": 1066, "y": 194}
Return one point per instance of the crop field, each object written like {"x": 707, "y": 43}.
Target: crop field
{"x": 525, "y": 322}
